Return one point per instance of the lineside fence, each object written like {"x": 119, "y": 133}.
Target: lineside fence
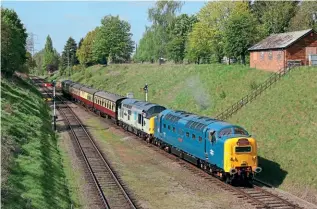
{"x": 254, "y": 94}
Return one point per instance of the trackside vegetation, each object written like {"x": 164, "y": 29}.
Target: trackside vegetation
{"x": 31, "y": 170}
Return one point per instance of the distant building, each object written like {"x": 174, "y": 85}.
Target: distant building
{"x": 280, "y": 50}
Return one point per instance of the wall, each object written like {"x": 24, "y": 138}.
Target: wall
{"x": 302, "y": 48}
{"x": 269, "y": 60}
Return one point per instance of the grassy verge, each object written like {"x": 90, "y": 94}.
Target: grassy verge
{"x": 284, "y": 120}
{"x": 205, "y": 89}
{"x": 32, "y": 172}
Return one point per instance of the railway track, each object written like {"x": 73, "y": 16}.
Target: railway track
{"x": 112, "y": 192}
{"x": 255, "y": 195}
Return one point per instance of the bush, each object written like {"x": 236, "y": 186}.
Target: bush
{"x": 253, "y": 85}
{"x": 223, "y": 95}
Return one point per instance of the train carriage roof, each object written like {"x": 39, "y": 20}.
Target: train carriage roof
{"x": 109, "y": 96}
{"x": 150, "y": 109}
{"x": 88, "y": 89}
{"x": 76, "y": 85}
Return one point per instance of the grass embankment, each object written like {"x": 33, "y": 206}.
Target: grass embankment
{"x": 284, "y": 120}
{"x": 204, "y": 89}
{"x": 32, "y": 171}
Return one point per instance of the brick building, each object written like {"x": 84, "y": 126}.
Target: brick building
{"x": 278, "y": 50}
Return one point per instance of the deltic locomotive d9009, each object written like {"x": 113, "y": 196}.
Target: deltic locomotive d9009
{"x": 220, "y": 148}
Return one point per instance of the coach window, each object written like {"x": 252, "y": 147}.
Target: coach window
{"x": 193, "y": 136}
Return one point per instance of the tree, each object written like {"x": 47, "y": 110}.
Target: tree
{"x": 50, "y": 57}
{"x": 85, "y": 52}
{"x": 80, "y": 43}
{"x": 69, "y": 54}
{"x": 13, "y": 42}
{"x": 239, "y": 31}
{"x": 113, "y": 41}
{"x": 162, "y": 15}
{"x": 147, "y": 49}
{"x": 180, "y": 28}
{"x": 206, "y": 38}
{"x": 306, "y": 17}
{"x": 274, "y": 16}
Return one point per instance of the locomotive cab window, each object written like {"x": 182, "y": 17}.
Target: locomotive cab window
{"x": 174, "y": 129}
{"x": 240, "y": 131}
{"x": 243, "y": 149}
{"x": 225, "y": 132}
{"x": 169, "y": 127}
{"x": 139, "y": 118}
{"x": 164, "y": 125}
{"x": 187, "y": 134}
{"x": 193, "y": 136}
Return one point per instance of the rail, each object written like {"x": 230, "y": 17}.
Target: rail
{"x": 254, "y": 94}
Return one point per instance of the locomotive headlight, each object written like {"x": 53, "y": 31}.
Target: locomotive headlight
{"x": 254, "y": 157}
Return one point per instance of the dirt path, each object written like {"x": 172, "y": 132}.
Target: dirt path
{"x": 156, "y": 181}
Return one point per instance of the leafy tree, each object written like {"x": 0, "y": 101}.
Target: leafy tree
{"x": 239, "y": 31}
{"x": 274, "y": 16}
{"x": 206, "y": 39}
{"x": 306, "y": 17}
{"x": 85, "y": 52}
{"x": 50, "y": 57}
{"x": 162, "y": 15}
{"x": 69, "y": 54}
{"x": 180, "y": 28}
{"x": 147, "y": 49}
{"x": 113, "y": 41}
{"x": 13, "y": 42}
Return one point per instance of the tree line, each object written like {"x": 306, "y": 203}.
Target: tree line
{"x": 111, "y": 42}
{"x": 220, "y": 29}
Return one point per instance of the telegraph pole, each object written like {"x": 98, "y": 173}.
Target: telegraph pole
{"x": 54, "y": 115}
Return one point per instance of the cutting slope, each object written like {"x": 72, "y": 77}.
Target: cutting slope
{"x": 31, "y": 166}
{"x": 205, "y": 89}
{"x": 284, "y": 120}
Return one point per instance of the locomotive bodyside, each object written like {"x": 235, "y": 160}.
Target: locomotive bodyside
{"x": 216, "y": 146}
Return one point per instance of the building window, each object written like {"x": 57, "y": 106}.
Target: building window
{"x": 279, "y": 55}
{"x": 270, "y": 55}
{"x": 262, "y": 56}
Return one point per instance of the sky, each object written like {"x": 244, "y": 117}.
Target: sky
{"x": 62, "y": 19}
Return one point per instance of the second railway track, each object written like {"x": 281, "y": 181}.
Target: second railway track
{"x": 112, "y": 192}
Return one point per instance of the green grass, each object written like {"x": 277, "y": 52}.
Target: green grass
{"x": 284, "y": 120}
{"x": 205, "y": 89}
{"x": 31, "y": 161}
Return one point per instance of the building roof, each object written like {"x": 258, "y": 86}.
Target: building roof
{"x": 280, "y": 40}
